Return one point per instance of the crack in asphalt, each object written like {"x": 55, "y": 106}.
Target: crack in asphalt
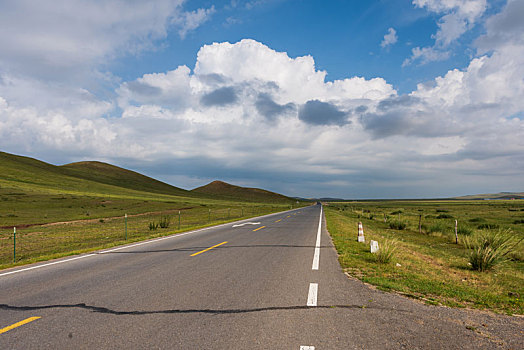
{"x": 188, "y": 311}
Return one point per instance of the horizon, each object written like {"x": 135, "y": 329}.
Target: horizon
{"x": 357, "y": 100}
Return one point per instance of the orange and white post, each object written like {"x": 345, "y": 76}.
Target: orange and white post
{"x": 361, "y": 233}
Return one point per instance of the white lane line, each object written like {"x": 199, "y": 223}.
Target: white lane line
{"x": 246, "y": 223}
{"x": 316, "y": 257}
{"x": 312, "y": 295}
{"x": 305, "y": 347}
{"x": 126, "y": 246}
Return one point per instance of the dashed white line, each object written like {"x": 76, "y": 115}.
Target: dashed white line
{"x": 304, "y": 347}
{"x": 316, "y": 257}
{"x": 312, "y": 295}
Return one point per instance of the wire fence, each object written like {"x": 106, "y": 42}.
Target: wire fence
{"x": 39, "y": 242}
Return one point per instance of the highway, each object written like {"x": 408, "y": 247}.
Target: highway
{"x": 271, "y": 282}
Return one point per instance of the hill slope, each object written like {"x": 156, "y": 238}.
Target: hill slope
{"x": 223, "y": 189}
{"x": 116, "y": 176}
{"x": 89, "y": 177}
{"x": 501, "y": 195}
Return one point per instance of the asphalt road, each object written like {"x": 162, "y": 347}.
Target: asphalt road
{"x": 274, "y": 284}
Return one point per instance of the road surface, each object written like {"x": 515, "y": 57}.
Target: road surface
{"x": 272, "y": 282}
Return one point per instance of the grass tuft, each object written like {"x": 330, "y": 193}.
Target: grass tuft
{"x": 489, "y": 248}
{"x": 398, "y": 225}
{"x": 386, "y": 251}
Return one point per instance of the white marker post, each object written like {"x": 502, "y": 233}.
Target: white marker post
{"x": 361, "y": 233}
{"x": 374, "y": 246}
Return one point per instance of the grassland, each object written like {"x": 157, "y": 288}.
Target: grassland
{"x": 433, "y": 268}
{"x": 80, "y": 207}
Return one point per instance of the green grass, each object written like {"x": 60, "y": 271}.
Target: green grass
{"x": 433, "y": 268}
{"x": 80, "y": 207}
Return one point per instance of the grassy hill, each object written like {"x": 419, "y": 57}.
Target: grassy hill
{"x": 94, "y": 178}
{"x": 500, "y": 195}
{"x": 225, "y": 190}
{"x": 112, "y": 175}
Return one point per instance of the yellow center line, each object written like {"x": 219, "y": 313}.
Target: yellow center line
{"x": 288, "y": 216}
{"x": 261, "y": 227}
{"x": 18, "y": 324}
{"x": 205, "y": 250}
{"x": 278, "y": 220}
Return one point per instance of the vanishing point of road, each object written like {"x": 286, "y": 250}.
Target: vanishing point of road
{"x": 271, "y": 282}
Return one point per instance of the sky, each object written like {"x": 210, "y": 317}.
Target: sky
{"x": 338, "y": 98}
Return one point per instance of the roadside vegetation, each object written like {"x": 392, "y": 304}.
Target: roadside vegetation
{"x": 81, "y": 207}
{"x": 420, "y": 257}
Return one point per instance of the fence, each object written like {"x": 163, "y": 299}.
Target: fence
{"x": 58, "y": 239}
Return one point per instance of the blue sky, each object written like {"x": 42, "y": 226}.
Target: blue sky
{"x": 353, "y": 99}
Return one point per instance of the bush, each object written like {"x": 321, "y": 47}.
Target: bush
{"x": 396, "y": 212}
{"x": 488, "y": 227}
{"x": 442, "y": 211}
{"x": 153, "y": 226}
{"x": 477, "y": 220}
{"x": 444, "y": 216}
{"x": 464, "y": 230}
{"x": 397, "y": 225}
{"x": 519, "y": 221}
{"x": 165, "y": 221}
{"x": 438, "y": 227}
{"x": 386, "y": 251}
{"x": 489, "y": 248}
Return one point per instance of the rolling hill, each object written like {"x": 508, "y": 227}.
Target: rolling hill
{"x": 30, "y": 174}
{"x": 228, "y": 191}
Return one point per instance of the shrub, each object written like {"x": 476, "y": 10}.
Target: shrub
{"x": 519, "y": 221}
{"x": 444, "y": 216}
{"x": 397, "y": 225}
{"x": 477, "y": 220}
{"x": 489, "y": 248}
{"x": 488, "y": 227}
{"x": 153, "y": 226}
{"x": 386, "y": 251}
{"x": 438, "y": 227}
{"x": 442, "y": 211}
{"x": 165, "y": 221}
{"x": 464, "y": 230}
{"x": 396, "y": 212}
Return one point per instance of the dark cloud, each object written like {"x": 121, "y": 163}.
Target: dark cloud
{"x": 220, "y": 97}
{"x": 322, "y": 113}
{"x": 269, "y": 108}
{"x": 397, "y": 102}
{"x": 143, "y": 89}
{"x": 212, "y": 78}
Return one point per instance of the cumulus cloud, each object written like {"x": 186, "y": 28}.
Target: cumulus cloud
{"x": 322, "y": 113}
{"x": 188, "y": 21}
{"x": 390, "y": 38}
{"x": 457, "y": 17}
{"x": 253, "y": 115}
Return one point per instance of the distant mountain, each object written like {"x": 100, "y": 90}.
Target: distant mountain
{"x": 225, "y": 190}
{"x": 500, "y": 195}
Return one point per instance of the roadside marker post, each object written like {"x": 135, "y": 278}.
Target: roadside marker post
{"x": 125, "y": 220}
{"x": 209, "y": 218}
{"x": 456, "y": 232}
{"x": 14, "y": 244}
{"x": 361, "y": 233}
{"x": 179, "y": 219}
{"x": 374, "y": 246}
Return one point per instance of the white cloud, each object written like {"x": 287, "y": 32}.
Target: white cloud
{"x": 390, "y": 38}
{"x": 425, "y": 55}
{"x": 189, "y": 21}
{"x": 251, "y": 114}
{"x": 458, "y": 16}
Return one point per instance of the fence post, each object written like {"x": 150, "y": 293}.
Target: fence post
{"x": 228, "y": 212}
{"x": 209, "y": 218}
{"x": 420, "y": 223}
{"x": 456, "y": 232}
{"x": 125, "y": 219}
{"x": 242, "y": 212}
{"x": 14, "y": 244}
{"x": 179, "y": 219}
